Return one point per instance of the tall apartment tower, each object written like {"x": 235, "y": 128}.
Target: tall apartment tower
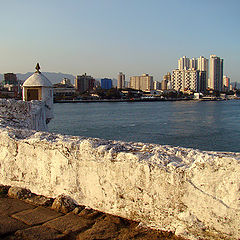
{"x": 215, "y": 73}
{"x": 193, "y": 63}
{"x": 121, "y": 81}
{"x": 203, "y": 65}
{"x": 183, "y": 63}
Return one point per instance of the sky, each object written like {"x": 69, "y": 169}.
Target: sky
{"x": 105, "y": 37}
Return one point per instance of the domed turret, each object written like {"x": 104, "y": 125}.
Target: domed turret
{"x": 38, "y": 87}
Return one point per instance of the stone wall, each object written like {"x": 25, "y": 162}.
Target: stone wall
{"x": 21, "y": 114}
{"x": 190, "y": 192}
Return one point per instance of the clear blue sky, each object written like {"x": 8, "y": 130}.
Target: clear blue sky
{"x": 103, "y": 37}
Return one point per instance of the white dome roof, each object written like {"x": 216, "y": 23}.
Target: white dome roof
{"x": 37, "y": 80}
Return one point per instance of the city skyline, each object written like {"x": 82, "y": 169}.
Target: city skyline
{"x": 104, "y": 37}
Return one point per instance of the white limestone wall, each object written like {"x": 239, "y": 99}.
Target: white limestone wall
{"x": 193, "y": 193}
{"x": 21, "y": 114}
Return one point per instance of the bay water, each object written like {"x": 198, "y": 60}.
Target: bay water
{"x": 206, "y": 125}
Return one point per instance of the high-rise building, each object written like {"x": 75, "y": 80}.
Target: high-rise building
{"x": 165, "y": 81}
{"x": 193, "y": 63}
{"x": 144, "y": 82}
{"x": 226, "y": 83}
{"x": 121, "y": 81}
{"x": 216, "y": 73}
{"x": 183, "y": 63}
{"x": 10, "y": 79}
{"x": 84, "y": 83}
{"x": 202, "y": 65}
{"x": 202, "y": 81}
{"x": 183, "y": 80}
{"x": 106, "y": 83}
{"x": 156, "y": 85}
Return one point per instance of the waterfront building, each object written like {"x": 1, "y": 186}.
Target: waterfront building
{"x": 63, "y": 90}
{"x": 106, "y": 83}
{"x": 202, "y": 81}
{"x": 202, "y": 65}
{"x": 10, "y": 79}
{"x": 216, "y": 73}
{"x": 156, "y": 85}
{"x": 183, "y": 80}
{"x": 183, "y": 63}
{"x": 165, "y": 81}
{"x": 127, "y": 84}
{"x": 164, "y": 84}
{"x": 226, "y": 83}
{"x": 97, "y": 84}
{"x": 121, "y": 81}
{"x": 84, "y": 83}
{"x": 144, "y": 82}
{"x": 66, "y": 81}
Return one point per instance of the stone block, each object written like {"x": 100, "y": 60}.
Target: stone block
{"x": 36, "y": 216}
{"x": 70, "y": 222}
{"x": 39, "y": 200}
{"x": 90, "y": 213}
{"x": 9, "y": 206}
{"x": 102, "y": 229}
{"x": 10, "y": 225}
{"x": 40, "y": 233}
{"x": 64, "y": 204}
{"x": 19, "y": 193}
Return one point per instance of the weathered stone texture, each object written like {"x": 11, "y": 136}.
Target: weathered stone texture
{"x": 190, "y": 192}
{"x": 40, "y": 233}
{"x": 10, "y": 225}
{"x": 36, "y": 216}
{"x": 9, "y": 206}
{"x": 64, "y": 204}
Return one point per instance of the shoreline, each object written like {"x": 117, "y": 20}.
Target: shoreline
{"x": 133, "y": 100}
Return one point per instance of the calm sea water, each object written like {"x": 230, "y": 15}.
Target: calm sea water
{"x": 201, "y": 125}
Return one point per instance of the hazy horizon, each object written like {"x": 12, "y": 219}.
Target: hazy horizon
{"x": 103, "y": 38}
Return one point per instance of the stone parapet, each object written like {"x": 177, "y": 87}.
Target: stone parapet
{"x": 190, "y": 192}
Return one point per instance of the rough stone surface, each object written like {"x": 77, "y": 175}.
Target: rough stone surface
{"x": 64, "y": 204}
{"x": 10, "y": 206}
{"x": 9, "y": 225}
{"x": 70, "y": 222}
{"x": 21, "y": 114}
{"x": 40, "y": 233}
{"x": 72, "y": 226}
{"x": 36, "y": 216}
{"x": 39, "y": 200}
{"x": 19, "y": 193}
{"x": 4, "y": 190}
{"x": 190, "y": 192}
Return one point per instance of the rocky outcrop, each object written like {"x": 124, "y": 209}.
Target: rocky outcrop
{"x": 190, "y": 192}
